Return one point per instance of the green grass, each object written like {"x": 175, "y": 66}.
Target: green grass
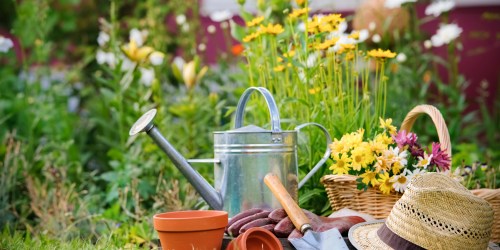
{"x": 20, "y": 240}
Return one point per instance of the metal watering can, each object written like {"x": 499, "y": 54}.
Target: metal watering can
{"x": 242, "y": 157}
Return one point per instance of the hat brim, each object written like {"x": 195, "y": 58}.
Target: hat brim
{"x": 364, "y": 236}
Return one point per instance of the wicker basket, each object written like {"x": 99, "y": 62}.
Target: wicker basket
{"x": 343, "y": 193}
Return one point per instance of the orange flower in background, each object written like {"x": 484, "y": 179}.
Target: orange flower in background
{"x": 237, "y": 49}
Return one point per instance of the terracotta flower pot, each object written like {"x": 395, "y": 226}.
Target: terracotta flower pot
{"x": 197, "y": 229}
{"x": 256, "y": 238}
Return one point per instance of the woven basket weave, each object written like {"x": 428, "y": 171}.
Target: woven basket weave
{"x": 343, "y": 193}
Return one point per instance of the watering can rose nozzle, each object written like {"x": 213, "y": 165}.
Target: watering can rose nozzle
{"x": 144, "y": 124}
{"x": 207, "y": 192}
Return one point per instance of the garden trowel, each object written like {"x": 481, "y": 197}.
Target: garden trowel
{"x": 328, "y": 239}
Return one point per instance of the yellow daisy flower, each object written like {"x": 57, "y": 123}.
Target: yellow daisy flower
{"x": 314, "y": 91}
{"x": 251, "y": 37}
{"x": 327, "y": 44}
{"x": 272, "y": 29}
{"x": 338, "y": 147}
{"x": 361, "y": 157}
{"x": 384, "y": 139}
{"x": 255, "y": 21}
{"x": 381, "y": 54}
{"x": 298, "y": 12}
{"x": 382, "y": 164}
{"x": 279, "y": 68}
{"x": 341, "y": 165}
{"x": 369, "y": 177}
{"x": 385, "y": 183}
{"x": 387, "y": 125}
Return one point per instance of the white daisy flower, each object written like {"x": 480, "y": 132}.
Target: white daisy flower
{"x": 417, "y": 172}
{"x": 438, "y": 7}
{"x": 391, "y": 4}
{"x": 445, "y": 34}
{"x": 424, "y": 162}
{"x": 399, "y": 182}
{"x": 401, "y": 157}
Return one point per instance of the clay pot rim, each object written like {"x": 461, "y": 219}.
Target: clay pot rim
{"x": 256, "y": 233}
{"x": 190, "y": 220}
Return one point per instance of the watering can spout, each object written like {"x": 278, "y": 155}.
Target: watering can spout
{"x": 207, "y": 192}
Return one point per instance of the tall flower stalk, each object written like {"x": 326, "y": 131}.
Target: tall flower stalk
{"x": 316, "y": 70}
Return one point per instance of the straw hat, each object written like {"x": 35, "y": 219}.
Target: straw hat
{"x": 435, "y": 212}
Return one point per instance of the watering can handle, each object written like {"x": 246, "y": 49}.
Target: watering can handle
{"x": 325, "y": 156}
{"x": 271, "y": 104}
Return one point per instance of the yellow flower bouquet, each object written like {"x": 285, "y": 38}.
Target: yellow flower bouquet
{"x": 388, "y": 161}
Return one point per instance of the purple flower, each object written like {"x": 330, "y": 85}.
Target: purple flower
{"x": 416, "y": 150}
{"x": 440, "y": 158}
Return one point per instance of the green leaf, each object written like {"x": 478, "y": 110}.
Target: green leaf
{"x": 237, "y": 31}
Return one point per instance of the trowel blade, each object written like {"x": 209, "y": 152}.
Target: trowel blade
{"x": 327, "y": 240}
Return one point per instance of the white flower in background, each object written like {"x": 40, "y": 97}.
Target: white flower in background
{"x": 301, "y": 27}
{"x": 391, "y": 4}
{"x": 311, "y": 59}
{"x": 220, "y": 16}
{"x": 400, "y": 182}
{"x": 372, "y": 25}
{"x": 445, "y": 34}
{"x": 427, "y": 44}
{"x": 376, "y": 38}
{"x": 147, "y": 76}
{"x": 401, "y": 57}
{"x": 73, "y": 103}
{"x": 103, "y": 57}
{"x": 202, "y": 47}
{"x": 137, "y": 36}
{"x": 179, "y": 62}
{"x": 343, "y": 39}
{"x": 211, "y": 29}
{"x": 363, "y": 35}
{"x": 103, "y": 38}
{"x": 185, "y": 27}
{"x": 180, "y": 19}
{"x": 438, "y": 7}
{"x": 5, "y": 44}
{"x": 127, "y": 64}
{"x": 156, "y": 58}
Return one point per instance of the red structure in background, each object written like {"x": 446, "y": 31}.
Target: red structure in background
{"x": 479, "y": 58}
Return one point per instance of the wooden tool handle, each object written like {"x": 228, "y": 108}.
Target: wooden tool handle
{"x": 298, "y": 218}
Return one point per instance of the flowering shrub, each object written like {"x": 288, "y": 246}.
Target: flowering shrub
{"x": 389, "y": 160}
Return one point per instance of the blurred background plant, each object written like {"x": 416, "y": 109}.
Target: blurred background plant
{"x": 76, "y": 74}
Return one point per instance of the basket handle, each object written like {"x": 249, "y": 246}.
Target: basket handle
{"x": 437, "y": 119}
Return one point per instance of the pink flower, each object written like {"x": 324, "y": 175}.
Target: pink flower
{"x": 404, "y": 139}
{"x": 400, "y": 138}
{"x": 440, "y": 158}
